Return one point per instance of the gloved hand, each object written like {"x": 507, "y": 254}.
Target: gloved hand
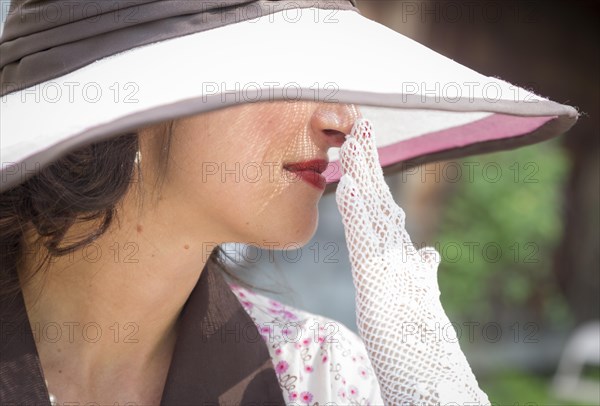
{"x": 411, "y": 344}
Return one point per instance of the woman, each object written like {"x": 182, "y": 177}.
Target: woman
{"x": 143, "y": 314}
{"x": 134, "y": 298}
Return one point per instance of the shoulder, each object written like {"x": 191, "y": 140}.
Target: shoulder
{"x": 317, "y": 359}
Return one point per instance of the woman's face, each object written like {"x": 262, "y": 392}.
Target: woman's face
{"x": 227, "y": 169}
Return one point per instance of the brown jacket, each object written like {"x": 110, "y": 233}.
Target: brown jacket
{"x": 210, "y": 365}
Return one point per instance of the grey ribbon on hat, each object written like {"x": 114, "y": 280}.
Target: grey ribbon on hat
{"x": 43, "y": 40}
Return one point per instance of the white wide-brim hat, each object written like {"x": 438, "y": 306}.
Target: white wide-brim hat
{"x": 98, "y": 71}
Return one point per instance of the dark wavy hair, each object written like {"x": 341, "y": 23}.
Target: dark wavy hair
{"x": 86, "y": 184}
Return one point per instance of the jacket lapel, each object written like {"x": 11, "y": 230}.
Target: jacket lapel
{"x": 220, "y": 358}
{"x": 21, "y": 378}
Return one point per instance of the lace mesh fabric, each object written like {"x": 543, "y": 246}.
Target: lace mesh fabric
{"x": 411, "y": 343}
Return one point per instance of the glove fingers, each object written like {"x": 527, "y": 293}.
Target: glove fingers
{"x": 365, "y": 136}
{"x": 361, "y": 239}
{"x": 354, "y": 164}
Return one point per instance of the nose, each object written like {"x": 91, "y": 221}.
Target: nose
{"x": 331, "y": 122}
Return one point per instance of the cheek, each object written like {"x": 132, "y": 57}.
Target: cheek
{"x": 233, "y": 173}
{"x": 249, "y": 199}
{"x": 268, "y": 208}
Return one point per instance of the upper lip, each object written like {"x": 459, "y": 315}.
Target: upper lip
{"x": 316, "y": 165}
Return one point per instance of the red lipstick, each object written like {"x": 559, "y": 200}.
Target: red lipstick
{"x": 310, "y": 171}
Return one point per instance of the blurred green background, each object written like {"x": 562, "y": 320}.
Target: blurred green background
{"x": 512, "y": 216}
{"x": 513, "y": 226}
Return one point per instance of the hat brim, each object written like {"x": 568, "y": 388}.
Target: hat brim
{"x": 423, "y": 106}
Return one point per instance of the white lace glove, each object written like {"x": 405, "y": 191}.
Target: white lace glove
{"x": 411, "y": 344}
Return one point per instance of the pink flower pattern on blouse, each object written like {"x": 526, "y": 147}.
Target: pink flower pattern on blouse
{"x": 317, "y": 360}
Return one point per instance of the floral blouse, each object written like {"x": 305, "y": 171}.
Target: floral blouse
{"x": 318, "y": 361}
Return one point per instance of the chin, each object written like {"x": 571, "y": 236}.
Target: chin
{"x": 294, "y": 236}
{"x": 290, "y": 222}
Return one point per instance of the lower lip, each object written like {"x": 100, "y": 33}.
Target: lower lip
{"x": 312, "y": 177}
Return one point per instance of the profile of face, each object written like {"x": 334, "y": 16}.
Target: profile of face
{"x": 230, "y": 171}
